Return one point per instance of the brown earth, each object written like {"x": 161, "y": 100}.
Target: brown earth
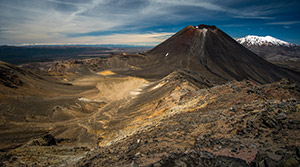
{"x": 185, "y": 108}
{"x": 168, "y": 121}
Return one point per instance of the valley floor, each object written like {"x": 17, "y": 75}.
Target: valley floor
{"x": 113, "y": 120}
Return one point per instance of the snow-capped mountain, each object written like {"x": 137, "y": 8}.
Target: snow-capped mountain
{"x": 262, "y": 41}
{"x": 274, "y": 50}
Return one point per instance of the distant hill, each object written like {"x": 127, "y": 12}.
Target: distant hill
{"x": 20, "y": 55}
{"x": 28, "y": 54}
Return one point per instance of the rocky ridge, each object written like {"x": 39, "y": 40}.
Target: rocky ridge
{"x": 250, "y": 123}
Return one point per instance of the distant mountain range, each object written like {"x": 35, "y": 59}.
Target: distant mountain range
{"x": 274, "y": 50}
{"x": 43, "y": 53}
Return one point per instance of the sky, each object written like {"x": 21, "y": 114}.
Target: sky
{"x": 141, "y": 22}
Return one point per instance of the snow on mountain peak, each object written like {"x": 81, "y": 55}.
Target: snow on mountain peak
{"x": 259, "y": 40}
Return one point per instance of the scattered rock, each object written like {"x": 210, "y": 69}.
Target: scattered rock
{"x": 49, "y": 139}
{"x": 133, "y": 164}
{"x": 297, "y": 151}
{"x": 201, "y": 158}
{"x": 46, "y": 140}
{"x": 291, "y": 162}
{"x": 281, "y": 116}
{"x": 269, "y": 121}
{"x": 279, "y": 152}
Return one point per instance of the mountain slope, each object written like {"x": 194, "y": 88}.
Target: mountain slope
{"x": 277, "y": 52}
{"x": 212, "y": 54}
{"x": 8, "y": 76}
{"x": 19, "y": 81}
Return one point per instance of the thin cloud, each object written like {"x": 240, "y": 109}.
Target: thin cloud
{"x": 254, "y": 17}
{"x": 234, "y": 25}
{"x": 149, "y": 39}
{"x": 52, "y": 21}
{"x": 67, "y": 2}
{"x": 202, "y": 4}
{"x": 283, "y": 23}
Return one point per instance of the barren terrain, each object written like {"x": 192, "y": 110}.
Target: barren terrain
{"x": 191, "y": 107}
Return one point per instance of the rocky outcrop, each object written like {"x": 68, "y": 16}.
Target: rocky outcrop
{"x": 9, "y": 76}
{"x": 199, "y": 159}
{"x": 46, "y": 140}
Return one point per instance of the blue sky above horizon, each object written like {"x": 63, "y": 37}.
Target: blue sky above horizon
{"x": 141, "y": 22}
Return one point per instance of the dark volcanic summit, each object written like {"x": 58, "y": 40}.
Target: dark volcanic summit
{"x": 214, "y": 55}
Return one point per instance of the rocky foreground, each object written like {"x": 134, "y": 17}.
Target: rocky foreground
{"x": 236, "y": 124}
